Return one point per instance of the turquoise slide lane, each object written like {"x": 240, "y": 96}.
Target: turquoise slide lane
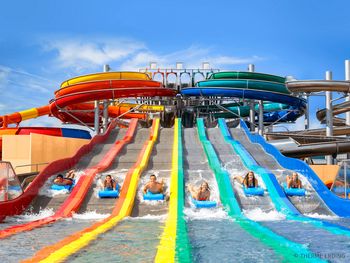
{"x": 278, "y": 197}
{"x": 282, "y": 246}
{"x": 339, "y": 206}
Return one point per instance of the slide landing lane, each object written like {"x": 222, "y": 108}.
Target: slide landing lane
{"x": 76, "y": 197}
{"x": 72, "y": 244}
{"x": 282, "y": 246}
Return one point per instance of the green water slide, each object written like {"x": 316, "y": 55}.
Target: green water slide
{"x": 282, "y": 246}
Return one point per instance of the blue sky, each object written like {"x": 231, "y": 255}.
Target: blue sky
{"x": 43, "y": 43}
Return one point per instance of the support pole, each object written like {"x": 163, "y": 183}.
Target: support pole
{"x": 97, "y": 115}
{"x": 329, "y": 115}
{"x": 307, "y": 113}
{"x": 251, "y": 68}
{"x": 252, "y": 115}
{"x": 261, "y": 117}
{"x": 347, "y": 114}
{"x": 105, "y": 103}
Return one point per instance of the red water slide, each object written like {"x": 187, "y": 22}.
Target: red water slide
{"x": 75, "y": 199}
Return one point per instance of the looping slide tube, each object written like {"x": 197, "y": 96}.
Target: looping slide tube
{"x": 72, "y": 244}
{"x": 174, "y": 244}
{"x": 74, "y": 93}
{"x": 75, "y": 199}
{"x": 282, "y": 246}
{"x": 251, "y": 85}
{"x": 339, "y": 206}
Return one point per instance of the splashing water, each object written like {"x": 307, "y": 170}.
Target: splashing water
{"x": 329, "y": 217}
{"x": 159, "y": 218}
{"x": 90, "y": 215}
{"x": 47, "y": 191}
{"x": 205, "y": 214}
{"x": 27, "y": 217}
{"x": 258, "y": 215}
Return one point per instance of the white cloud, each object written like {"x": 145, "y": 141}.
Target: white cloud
{"x": 81, "y": 54}
{"x": 192, "y": 57}
{"x": 86, "y": 55}
{"x": 21, "y": 90}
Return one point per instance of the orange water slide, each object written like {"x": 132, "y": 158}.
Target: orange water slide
{"x": 75, "y": 93}
{"x": 123, "y": 207}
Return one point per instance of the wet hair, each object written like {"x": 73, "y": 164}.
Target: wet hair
{"x": 205, "y": 182}
{"x": 59, "y": 176}
{"x": 105, "y": 182}
{"x": 246, "y": 178}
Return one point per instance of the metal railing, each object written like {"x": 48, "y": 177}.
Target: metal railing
{"x": 33, "y": 164}
{"x": 10, "y": 186}
{"x": 341, "y": 183}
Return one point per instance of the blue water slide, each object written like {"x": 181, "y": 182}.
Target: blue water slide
{"x": 277, "y": 195}
{"x": 276, "y": 192}
{"x": 297, "y": 105}
{"x": 339, "y": 206}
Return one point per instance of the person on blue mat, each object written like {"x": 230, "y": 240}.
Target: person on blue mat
{"x": 249, "y": 180}
{"x": 153, "y": 186}
{"x": 109, "y": 184}
{"x": 294, "y": 181}
{"x": 67, "y": 180}
{"x": 202, "y": 194}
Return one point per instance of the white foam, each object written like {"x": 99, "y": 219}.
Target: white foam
{"x": 258, "y": 215}
{"x": 160, "y": 218}
{"x": 315, "y": 215}
{"x": 205, "y": 214}
{"x": 90, "y": 215}
{"x": 31, "y": 216}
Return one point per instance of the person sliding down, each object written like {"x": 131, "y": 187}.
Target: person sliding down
{"x": 294, "y": 181}
{"x": 153, "y": 186}
{"x": 67, "y": 180}
{"x": 202, "y": 194}
{"x": 249, "y": 180}
{"x": 109, "y": 184}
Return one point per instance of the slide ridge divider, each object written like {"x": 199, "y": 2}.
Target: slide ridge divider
{"x": 73, "y": 243}
{"x": 287, "y": 249}
{"x": 174, "y": 245}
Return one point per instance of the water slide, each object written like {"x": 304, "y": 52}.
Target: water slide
{"x": 251, "y": 85}
{"x": 73, "y": 102}
{"x": 285, "y": 248}
{"x": 100, "y": 159}
{"x": 318, "y": 143}
{"x": 123, "y": 207}
{"x": 280, "y": 201}
{"x": 174, "y": 245}
{"x": 18, "y": 205}
{"x": 160, "y": 165}
{"x": 120, "y": 165}
{"x": 320, "y": 199}
{"x": 232, "y": 162}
